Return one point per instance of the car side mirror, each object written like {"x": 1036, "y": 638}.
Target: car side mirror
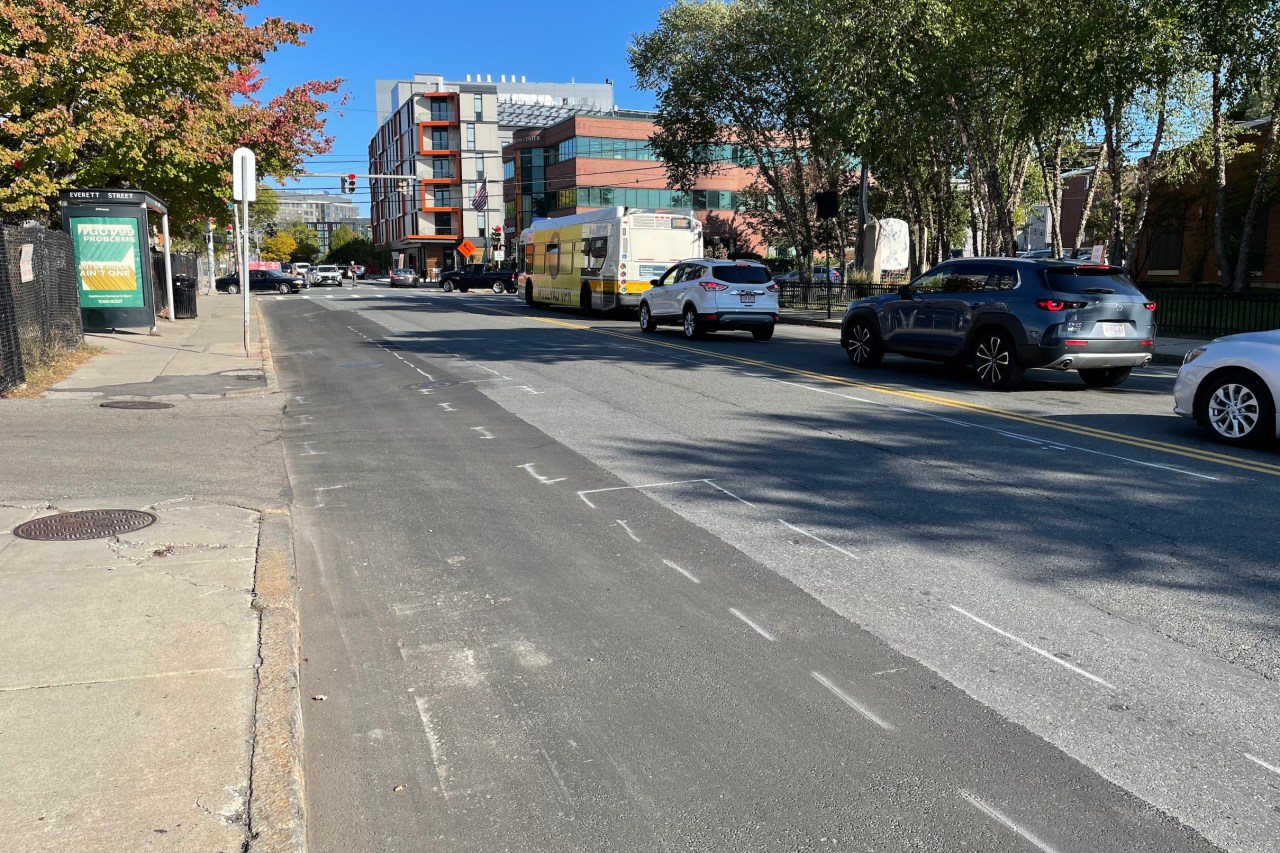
{"x": 653, "y": 282}
{"x": 905, "y": 291}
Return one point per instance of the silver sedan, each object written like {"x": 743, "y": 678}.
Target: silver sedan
{"x": 1230, "y": 386}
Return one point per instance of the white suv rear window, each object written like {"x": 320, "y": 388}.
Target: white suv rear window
{"x": 741, "y": 274}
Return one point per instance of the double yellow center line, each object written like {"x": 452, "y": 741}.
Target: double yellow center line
{"x": 1185, "y": 451}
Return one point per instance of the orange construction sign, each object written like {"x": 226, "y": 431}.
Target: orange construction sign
{"x": 467, "y": 248}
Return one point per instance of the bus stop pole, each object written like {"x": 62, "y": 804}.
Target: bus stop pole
{"x": 168, "y": 267}
{"x": 244, "y": 273}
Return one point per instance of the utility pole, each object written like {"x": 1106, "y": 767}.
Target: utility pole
{"x": 860, "y": 256}
{"x": 208, "y": 239}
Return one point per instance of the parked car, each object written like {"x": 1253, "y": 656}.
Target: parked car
{"x": 303, "y": 269}
{"x": 707, "y": 295}
{"x": 405, "y": 277}
{"x": 326, "y": 274}
{"x": 1005, "y": 315}
{"x": 359, "y": 271}
{"x": 1230, "y": 387}
{"x": 280, "y": 282}
{"x": 821, "y": 275}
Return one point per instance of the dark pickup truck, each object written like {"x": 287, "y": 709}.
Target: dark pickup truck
{"x": 475, "y": 275}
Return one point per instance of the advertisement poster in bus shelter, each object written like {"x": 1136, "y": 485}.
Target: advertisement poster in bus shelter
{"x": 108, "y": 266}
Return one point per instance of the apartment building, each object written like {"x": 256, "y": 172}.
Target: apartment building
{"x": 593, "y": 160}
{"x": 445, "y": 138}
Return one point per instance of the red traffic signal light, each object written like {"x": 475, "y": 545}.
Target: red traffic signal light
{"x": 349, "y": 184}
{"x": 497, "y": 229}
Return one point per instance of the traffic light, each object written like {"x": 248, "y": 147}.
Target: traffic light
{"x": 349, "y": 184}
{"x": 497, "y": 233}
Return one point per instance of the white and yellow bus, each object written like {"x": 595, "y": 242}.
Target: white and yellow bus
{"x": 604, "y": 259}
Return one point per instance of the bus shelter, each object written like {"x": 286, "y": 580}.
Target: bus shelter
{"x": 110, "y": 233}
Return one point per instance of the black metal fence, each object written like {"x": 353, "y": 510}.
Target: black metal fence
{"x": 183, "y": 265}
{"x": 39, "y": 307}
{"x": 818, "y": 296}
{"x": 1211, "y": 313}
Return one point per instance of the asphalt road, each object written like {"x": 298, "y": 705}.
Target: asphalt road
{"x": 570, "y": 587}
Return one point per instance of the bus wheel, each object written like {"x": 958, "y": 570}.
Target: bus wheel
{"x": 584, "y": 300}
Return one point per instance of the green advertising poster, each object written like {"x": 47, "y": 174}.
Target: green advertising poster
{"x": 108, "y": 265}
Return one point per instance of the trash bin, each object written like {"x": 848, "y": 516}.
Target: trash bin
{"x": 184, "y": 297}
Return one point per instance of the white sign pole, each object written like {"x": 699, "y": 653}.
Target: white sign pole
{"x": 244, "y": 188}
{"x": 168, "y": 268}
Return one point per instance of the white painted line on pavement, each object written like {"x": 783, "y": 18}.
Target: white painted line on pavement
{"x": 1258, "y": 761}
{"x": 448, "y": 407}
{"x": 528, "y": 466}
{"x": 302, "y": 401}
{"x": 1036, "y": 649}
{"x": 925, "y": 414}
{"x": 851, "y": 702}
{"x": 530, "y": 390}
{"x": 433, "y": 740}
{"x": 1000, "y": 818}
{"x": 630, "y": 532}
{"x": 311, "y": 451}
{"x": 752, "y": 625}
{"x": 424, "y": 373}
{"x": 583, "y": 494}
{"x": 687, "y": 574}
{"x": 714, "y": 485}
{"x": 484, "y": 433}
{"x": 816, "y": 538}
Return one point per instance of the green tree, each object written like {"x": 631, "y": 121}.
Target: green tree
{"x": 306, "y": 244}
{"x": 341, "y": 235}
{"x": 154, "y": 95}
{"x": 355, "y": 250}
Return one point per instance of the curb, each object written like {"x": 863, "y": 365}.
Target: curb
{"x": 805, "y": 321}
{"x": 277, "y": 803}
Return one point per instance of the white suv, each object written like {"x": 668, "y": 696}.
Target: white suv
{"x": 708, "y": 295}
{"x": 326, "y": 274}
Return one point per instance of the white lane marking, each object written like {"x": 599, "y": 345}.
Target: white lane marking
{"x": 304, "y": 419}
{"x": 433, "y": 740}
{"x": 328, "y": 297}
{"x": 311, "y": 451}
{"x": 816, "y": 538}
{"x": 1258, "y": 761}
{"x": 530, "y": 390}
{"x": 279, "y": 297}
{"x": 1000, "y": 818}
{"x": 424, "y": 373}
{"x": 851, "y": 702}
{"x": 302, "y": 401}
{"x": 714, "y": 485}
{"x": 689, "y": 575}
{"x": 752, "y": 625}
{"x": 448, "y": 407}
{"x": 427, "y": 392}
{"x": 1036, "y": 649}
{"x": 484, "y": 433}
{"x": 890, "y": 671}
{"x": 923, "y": 413}
{"x": 583, "y": 494}
{"x": 630, "y": 532}
{"x": 528, "y": 466}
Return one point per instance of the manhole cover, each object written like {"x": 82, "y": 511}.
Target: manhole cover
{"x": 135, "y": 404}
{"x": 85, "y": 524}
{"x": 428, "y": 386}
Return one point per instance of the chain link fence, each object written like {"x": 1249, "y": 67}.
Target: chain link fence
{"x": 39, "y": 306}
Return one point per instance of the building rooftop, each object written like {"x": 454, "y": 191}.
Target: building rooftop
{"x": 542, "y": 114}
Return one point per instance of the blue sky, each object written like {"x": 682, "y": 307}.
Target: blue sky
{"x": 395, "y": 39}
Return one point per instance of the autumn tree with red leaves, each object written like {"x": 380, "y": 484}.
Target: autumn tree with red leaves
{"x": 148, "y": 94}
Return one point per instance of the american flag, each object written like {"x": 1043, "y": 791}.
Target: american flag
{"x": 481, "y": 199}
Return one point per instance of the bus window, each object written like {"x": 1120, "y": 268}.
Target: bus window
{"x": 593, "y": 253}
{"x": 552, "y": 264}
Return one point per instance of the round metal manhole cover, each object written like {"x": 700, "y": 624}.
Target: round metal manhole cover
{"x": 84, "y": 524}
{"x": 135, "y": 404}
{"x": 430, "y": 386}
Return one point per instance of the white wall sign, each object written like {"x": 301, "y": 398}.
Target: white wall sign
{"x": 26, "y": 270}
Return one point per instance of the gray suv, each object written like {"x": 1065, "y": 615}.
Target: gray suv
{"x": 1004, "y": 315}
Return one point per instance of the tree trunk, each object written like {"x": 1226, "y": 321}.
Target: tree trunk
{"x": 1265, "y": 164}
{"x": 1115, "y": 231}
{"x": 1220, "y": 179}
{"x": 1144, "y": 193}
{"x": 1090, "y": 196}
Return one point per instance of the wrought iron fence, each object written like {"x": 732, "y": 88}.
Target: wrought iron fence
{"x": 818, "y": 296}
{"x": 39, "y": 307}
{"x": 1211, "y": 313}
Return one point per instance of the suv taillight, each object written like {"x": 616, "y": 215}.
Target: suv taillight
{"x": 1057, "y": 305}
{"x": 772, "y": 287}
{"x": 712, "y": 287}
{"x": 1150, "y": 306}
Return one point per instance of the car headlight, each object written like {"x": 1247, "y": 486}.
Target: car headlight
{"x": 1193, "y": 355}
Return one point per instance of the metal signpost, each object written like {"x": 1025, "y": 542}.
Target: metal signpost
{"x": 244, "y": 180}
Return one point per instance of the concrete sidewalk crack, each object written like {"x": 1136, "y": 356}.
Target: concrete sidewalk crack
{"x": 170, "y": 674}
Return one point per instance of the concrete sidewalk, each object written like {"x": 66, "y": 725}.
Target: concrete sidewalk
{"x": 148, "y": 690}
{"x": 1168, "y": 350}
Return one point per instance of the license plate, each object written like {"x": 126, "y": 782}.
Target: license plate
{"x": 1113, "y": 330}
{"x": 747, "y": 298}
